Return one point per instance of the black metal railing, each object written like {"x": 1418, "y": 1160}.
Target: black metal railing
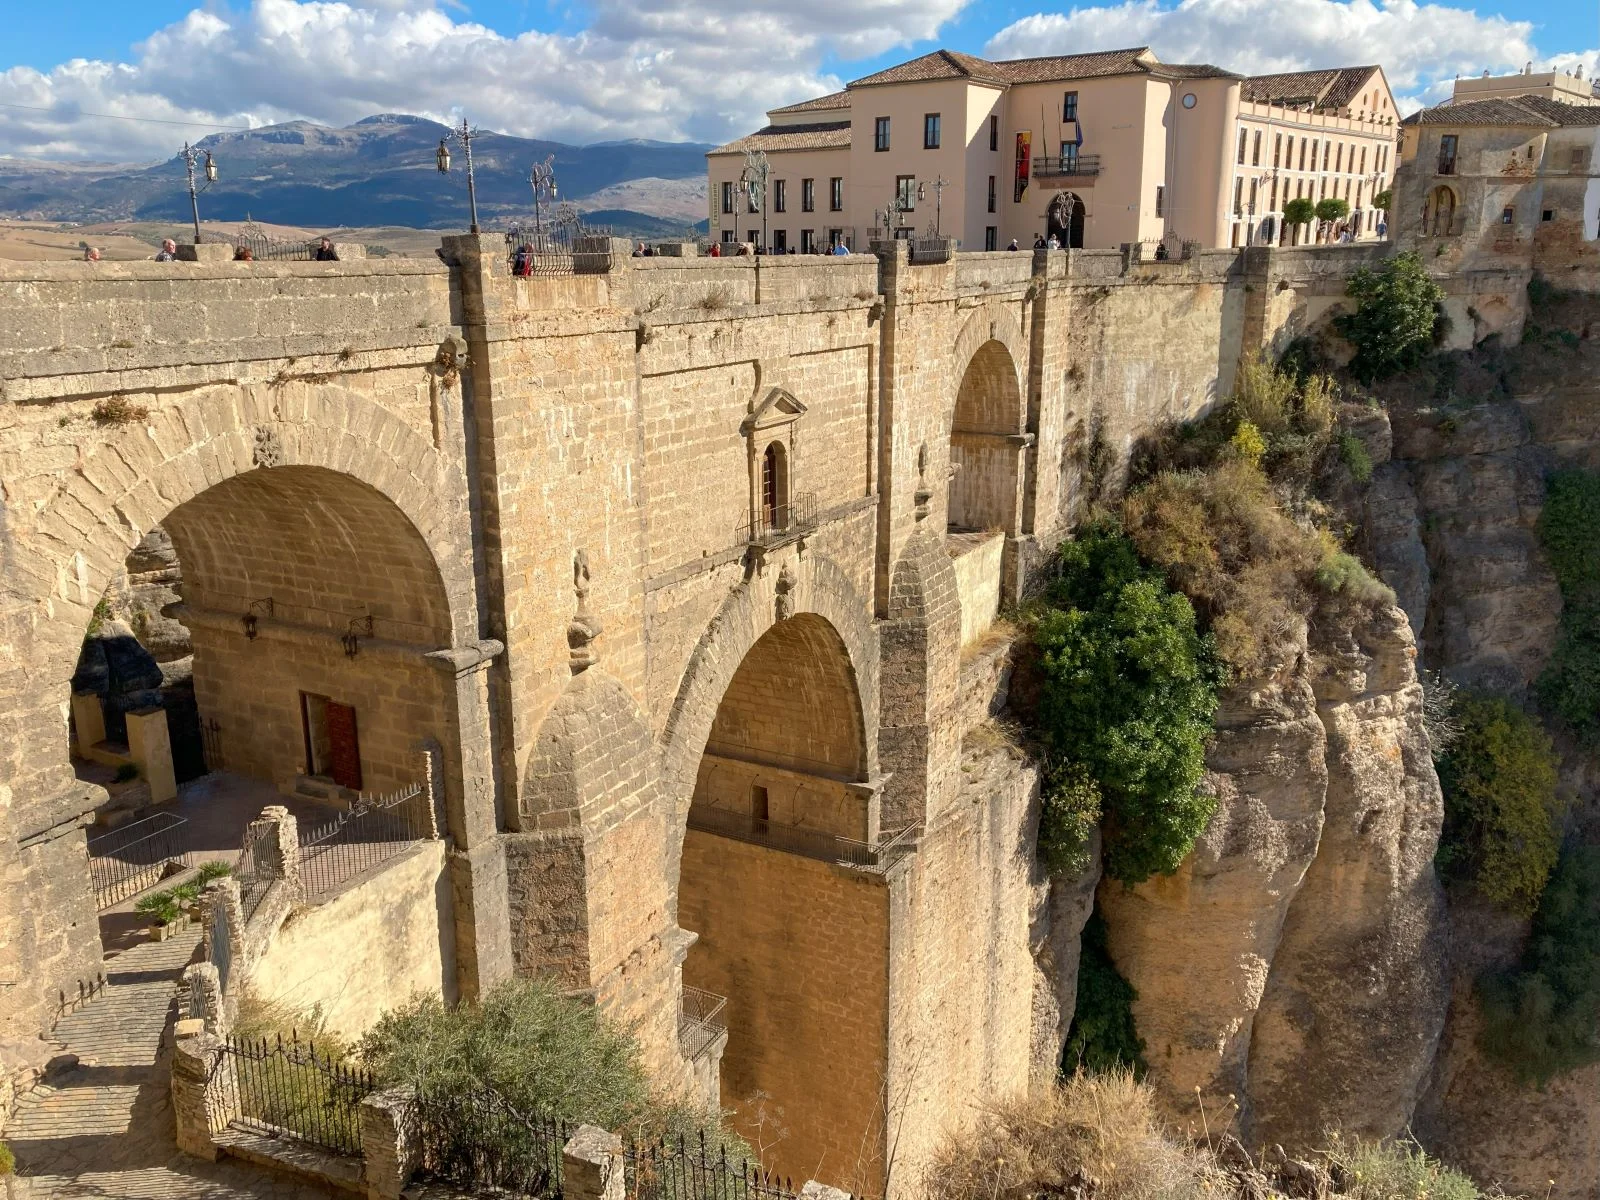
{"x": 126, "y": 861}
{"x": 798, "y": 515}
{"x": 1047, "y": 166}
{"x": 932, "y": 249}
{"x": 372, "y": 832}
{"x": 700, "y": 1021}
{"x": 678, "y": 1169}
{"x": 808, "y": 843}
{"x": 481, "y": 1144}
{"x": 289, "y": 1089}
{"x": 559, "y": 250}
{"x": 255, "y": 870}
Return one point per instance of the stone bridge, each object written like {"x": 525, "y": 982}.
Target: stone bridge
{"x": 689, "y": 566}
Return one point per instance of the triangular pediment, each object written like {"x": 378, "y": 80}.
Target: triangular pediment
{"x": 779, "y": 407}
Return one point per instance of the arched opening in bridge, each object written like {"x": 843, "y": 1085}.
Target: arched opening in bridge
{"x": 1438, "y": 218}
{"x": 289, "y": 610}
{"x": 1066, "y": 216}
{"x": 781, "y": 882}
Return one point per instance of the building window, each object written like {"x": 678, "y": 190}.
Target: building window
{"x": 1069, "y": 107}
{"x": 836, "y": 194}
{"x": 775, "y": 486}
{"x": 1255, "y": 150}
{"x": 1507, "y": 216}
{"x": 1383, "y": 165}
{"x": 1277, "y": 149}
{"x": 808, "y": 195}
{"x": 727, "y": 197}
{"x": 1273, "y": 207}
{"x": 1244, "y": 138}
{"x": 760, "y": 805}
{"x": 1549, "y": 214}
{"x": 991, "y": 193}
{"x": 930, "y": 131}
{"x": 991, "y": 238}
{"x": 730, "y": 236}
{"x": 780, "y": 195}
{"x": 880, "y": 134}
{"x": 1161, "y": 200}
{"x": 1580, "y": 158}
{"x": 1338, "y": 158}
{"x": 836, "y": 238}
{"x": 1363, "y": 170}
{"x": 808, "y": 241}
{"x": 1327, "y": 154}
{"x": 1253, "y": 196}
{"x": 1238, "y": 196}
{"x": 1447, "y": 154}
{"x": 780, "y": 241}
{"x": 905, "y": 189}
{"x": 994, "y": 133}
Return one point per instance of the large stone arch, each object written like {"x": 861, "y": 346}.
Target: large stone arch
{"x": 987, "y": 419}
{"x": 994, "y": 321}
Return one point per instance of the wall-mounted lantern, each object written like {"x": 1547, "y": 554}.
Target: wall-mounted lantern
{"x": 258, "y": 608}
{"x": 358, "y": 628}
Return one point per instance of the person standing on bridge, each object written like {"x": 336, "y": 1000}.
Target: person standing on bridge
{"x": 326, "y": 252}
{"x": 168, "y": 251}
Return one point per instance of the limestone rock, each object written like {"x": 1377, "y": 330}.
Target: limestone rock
{"x": 1060, "y": 913}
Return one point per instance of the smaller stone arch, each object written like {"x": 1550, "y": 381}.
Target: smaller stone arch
{"x": 1439, "y": 212}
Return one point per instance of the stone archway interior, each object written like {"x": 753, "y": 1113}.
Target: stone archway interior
{"x": 986, "y": 445}
{"x": 1066, "y": 217}
{"x": 795, "y": 941}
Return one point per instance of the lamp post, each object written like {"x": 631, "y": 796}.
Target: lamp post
{"x": 191, "y": 157}
{"x": 465, "y": 135}
{"x": 939, "y": 185}
{"x": 754, "y": 178}
{"x": 543, "y": 180}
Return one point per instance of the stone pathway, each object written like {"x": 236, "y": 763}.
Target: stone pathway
{"x": 104, "y": 1127}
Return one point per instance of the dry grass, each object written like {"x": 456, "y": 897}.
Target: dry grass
{"x": 1098, "y": 1132}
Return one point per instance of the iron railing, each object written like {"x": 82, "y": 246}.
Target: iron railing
{"x": 1046, "y": 166}
{"x": 126, "y": 861}
{"x": 269, "y": 249}
{"x": 481, "y": 1144}
{"x": 255, "y": 871}
{"x": 211, "y": 745}
{"x": 932, "y": 249}
{"x": 559, "y": 250}
{"x": 372, "y": 832}
{"x": 700, "y": 1021}
{"x": 808, "y": 843}
{"x": 678, "y": 1169}
{"x": 289, "y": 1089}
{"x": 798, "y": 516}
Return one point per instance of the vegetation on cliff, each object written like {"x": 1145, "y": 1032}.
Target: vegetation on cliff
{"x": 1542, "y": 1018}
{"x": 1397, "y": 309}
{"x": 1569, "y": 528}
{"x": 1502, "y": 813}
{"x": 1102, "y": 1036}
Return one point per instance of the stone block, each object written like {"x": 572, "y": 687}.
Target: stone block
{"x": 151, "y": 750}
{"x": 88, "y": 721}
{"x": 591, "y": 1165}
{"x": 390, "y": 1151}
{"x": 205, "y": 252}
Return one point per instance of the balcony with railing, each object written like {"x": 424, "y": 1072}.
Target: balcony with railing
{"x": 1074, "y": 166}
{"x": 700, "y": 1022}
{"x": 774, "y": 525}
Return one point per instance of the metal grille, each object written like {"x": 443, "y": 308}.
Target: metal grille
{"x": 139, "y": 855}
{"x": 700, "y": 1021}
{"x": 925, "y": 250}
{"x": 1046, "y": 165}
{"x": 683, "y": 1170}
{"x": 808, "y": 843}
{"x": 566, "y": 249}
{"x": 266, "y": 249}
{"x": 480, "y": 1143}
{"x": 255, "y": 871}
{"x": 289, "y": 1089}
{"x": 770, "y": 524}
{"x": 355, "y": 841}
{"x": 211, "y": 744}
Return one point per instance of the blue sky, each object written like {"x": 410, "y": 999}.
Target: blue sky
{"x": 699, "y": 69}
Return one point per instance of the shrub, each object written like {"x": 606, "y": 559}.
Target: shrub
{"x": 161, "y": 907}
{"x": 1377, "y": 1170}
{"x": 1299, "y": 211}
{"x": 1500, "y": 806}
{"x": 1543, "y": 1018}
{"x": 8, "y": 1162}
{"x": 541, "y": 1051}
{"x": 1247, "y": 444}
{"x": 1392, "y": 326}
{"x": 1069, "y": 811}
{"x": 125, "y": 772}
{"x": 1103, "y": 1036}
{"x": 1353, "y": 453}
{"x": 1332, "y": 208}
{"x": 213, "y": 870}
{"x": 1343, "y": 575}
{"x": 118, "y": 410}
{"x": 1569, "y": 528}
{"x": 1384, "y": 199}
{"x": 1128, "y": 693}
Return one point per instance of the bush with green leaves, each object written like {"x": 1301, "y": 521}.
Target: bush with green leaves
{"x": 1299, "y": 211}
{"x": 1353, "y": 453}
{"x": 1069, "y": 812}
{"x": 1103, "y": 1036}
{"x": 1502, "y": 812}
{"x": 1542, "y": 1018}
{"x": 1383, "y": 200}
{"x": 1389, "y": 1170}
{"x": 1392, "y": 327}
{"x": 1569, "y": 528}
{"x": 539, "y": 1050}
{"x": 1128, "y": 692}
{"x": 1332, "y": 208}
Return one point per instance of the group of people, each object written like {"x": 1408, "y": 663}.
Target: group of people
{"x": 324, "y": 252}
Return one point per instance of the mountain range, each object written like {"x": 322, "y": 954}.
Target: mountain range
{"x": 378, "y": 171}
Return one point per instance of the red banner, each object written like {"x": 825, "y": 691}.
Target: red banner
{"x": 1024, "y": 164}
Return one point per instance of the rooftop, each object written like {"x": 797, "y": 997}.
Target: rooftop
{"x": 948, "y": 64}
{"x": 1534, "y": 112}
{"x": 819, "y": 135}
{"x": 833, "y": 100}
{"x": 1334, "y": 87}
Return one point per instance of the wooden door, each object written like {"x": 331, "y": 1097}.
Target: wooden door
{"x": 344, "y": 753}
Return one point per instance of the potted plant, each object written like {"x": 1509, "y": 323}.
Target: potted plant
{"x": 188, "y": 893}
{"x": 165, "y": 913}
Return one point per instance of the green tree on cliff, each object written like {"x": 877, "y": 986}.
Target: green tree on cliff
{"x": 1392, "y": 326}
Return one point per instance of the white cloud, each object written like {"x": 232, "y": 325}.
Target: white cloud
{"x": 1420, "y": 46}
{"x": 668, "y": 69}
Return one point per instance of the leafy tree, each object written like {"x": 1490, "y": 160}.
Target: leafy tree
{"x": 1332, "y": 208}
{"x": 1103, "y": 1036}
{"x": 1392, "y": 325}
{"x": 1569, "y": 528}
{"x": 1501, "y": 811}
{"x": 1543, "y": 1017}
{"x": 1299, "y": 211}
{"x": 1384, "y": 199}
{"x": 1129, "y": 691}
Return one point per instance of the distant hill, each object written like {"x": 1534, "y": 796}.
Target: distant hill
{"x": 379, "y": 171}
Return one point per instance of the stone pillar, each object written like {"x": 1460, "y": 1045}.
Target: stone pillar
{"x": 203, "y": 989}
{"x": 88, "y": 720}
{"x": 204, "y": 1089}
{"x": 276, "y": 837}
{"x": 387, "y": 1145}
{"x": 151, "y": 750}
{"x": 591, "y": 1165}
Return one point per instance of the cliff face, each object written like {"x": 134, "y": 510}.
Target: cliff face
{"x": 1307, "y": 922}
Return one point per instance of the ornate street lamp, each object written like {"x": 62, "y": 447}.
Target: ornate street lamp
{"x": 543, "y": 180}
{"x": 191, "y": 157}
{"x": 465, "y": 135}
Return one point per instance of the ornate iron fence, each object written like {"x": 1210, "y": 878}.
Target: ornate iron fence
{"x": 126, "y": 861}
{"x": 255, "y": 871}
{"x": 289, "y": 1089}
{"x": 699, "y": 1021}
{"x": 1048, "y": 165}
{"x": 480, "y": 1143}
{"x": 678, "y": 1169}
{"x": 372, "y": 832}
{"x": 932, "y": 249}
{"x": 808, "y": 843}
{"x": 798, "y": 516}
{"x": 565, "y": 249}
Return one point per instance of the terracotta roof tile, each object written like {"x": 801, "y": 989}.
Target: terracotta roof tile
{"x": 822, "y": 135}
{"x": 941, "y": 64}
{"x": 1486, "y": 112}
{"x": 1335, "y": 87}
{"x": 1075, "y": 66}
{"x": 832, "y": 100}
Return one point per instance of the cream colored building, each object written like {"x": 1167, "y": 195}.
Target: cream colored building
{"x": 1549, "y": 85}
{"x": 1098, "y": 149}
